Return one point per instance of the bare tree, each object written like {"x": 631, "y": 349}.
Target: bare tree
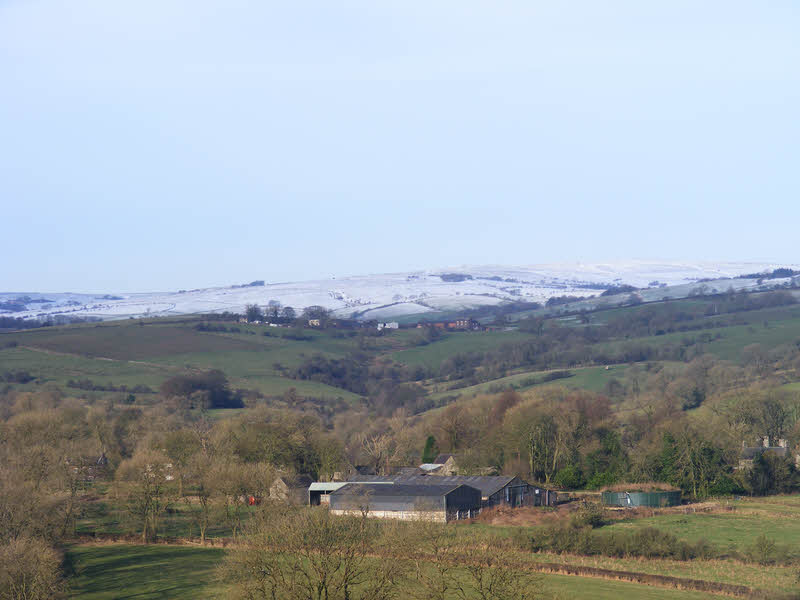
{"x": 488, "y": 576}
{"x": 29, "y": 570}
{"x": 296, "y": 553}
{"x": 146, "y": 485}
{"x": 377, "y": 448}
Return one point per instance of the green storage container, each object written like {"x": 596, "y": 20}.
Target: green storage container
{"x": 649, "y": 499}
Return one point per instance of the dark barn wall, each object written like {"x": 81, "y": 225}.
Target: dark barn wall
{"x": 463, "y": 502}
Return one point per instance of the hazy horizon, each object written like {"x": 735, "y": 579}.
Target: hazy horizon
{"x": 565, "y": 265}
{"x": 158, "y": 146}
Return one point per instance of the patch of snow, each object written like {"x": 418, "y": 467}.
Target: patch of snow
{"x": 396, "y": 294}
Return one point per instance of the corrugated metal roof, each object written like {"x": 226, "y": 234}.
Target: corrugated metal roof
{"x": 331, "y": 486}
{"x": 429, "y": 467}
{"x": 296, "y": 481}
{"x": 487, "y": 484}
{"x": 376, "y": 490}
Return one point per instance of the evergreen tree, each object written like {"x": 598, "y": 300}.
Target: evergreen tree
{"x": 431, "y": 450}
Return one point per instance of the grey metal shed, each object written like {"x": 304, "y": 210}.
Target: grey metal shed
{"x": 407, "y": 501}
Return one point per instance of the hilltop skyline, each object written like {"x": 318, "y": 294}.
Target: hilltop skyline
{"x": 155, "y": 146}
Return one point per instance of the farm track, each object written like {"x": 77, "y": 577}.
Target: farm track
{"x": 653, "y": 580}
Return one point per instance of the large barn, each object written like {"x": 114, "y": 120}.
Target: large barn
{"x": 407, "y": 501}
{"x": 495, "y": 490}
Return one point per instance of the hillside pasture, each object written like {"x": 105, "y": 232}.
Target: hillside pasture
{"x": 128, "y": 341}
{"x": 583, "y": 378}
{"x": 49, "y": 367}
{"x": 434, "y": 353}
{"x": 732, "y": 524}
{"x": 124, "y": 571}
{"x": 116, "y": 571}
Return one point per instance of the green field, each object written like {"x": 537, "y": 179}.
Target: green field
{"x": 144, "y": 572}
{"x": 126, "y": 353}
{"x": 48, "y": 367}
{"x": 769, "y": 327}
{"x": 585, "y": 378}
{"x": 258, "y": 357}
{"x": 127, "y": 341}
{"x": 106, "y": 517}
{"x": 455, "y": 343}
{"x": 738, "y": 524}
{"x": 122, "y": 571}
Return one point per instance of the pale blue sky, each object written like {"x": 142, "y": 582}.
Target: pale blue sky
{"x": 158, "y": 145}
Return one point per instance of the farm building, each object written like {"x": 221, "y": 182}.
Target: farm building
{"x": 407, "y": 501}
{"x": 444, "y": 464}
{"x": 448, "y": 464}
{"x": 291, "y": 488}
{"x": 463, "y": 324}
{"x": 456, "y": 325}
{"x": 495, "y": 490}
{"x": 749, "y": 453}
{"x": 320, "y": 492}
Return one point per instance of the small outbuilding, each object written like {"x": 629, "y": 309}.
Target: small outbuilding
{"x": 448, "y": 464}
{"x": 290, "y": 488}
{"x": 407, "y": 501}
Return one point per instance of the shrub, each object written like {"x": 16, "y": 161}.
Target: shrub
{"x": 588, "y": 515}
{"x": 569, "y": 477}
{"x": 601, "y": 480}
{"x": 765, "y": 551}
{"x": 29, "y": 568}
{"x": 648, "y": 542}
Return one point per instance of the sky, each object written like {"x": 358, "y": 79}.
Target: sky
{"x": 160, "y": 145}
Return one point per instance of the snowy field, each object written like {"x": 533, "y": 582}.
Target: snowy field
{"x": 392, "y": 295}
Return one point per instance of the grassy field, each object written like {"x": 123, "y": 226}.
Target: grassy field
{"x": 585, "y": 378}
{"x": 126, "y": 353}
{"x": 116, "y": 572}
{"x": 127, "y": 341}
{"x": 105, "y": 517}
{"x": 258, "y": 357}
{"x": 48, "y": 367}
{"x": 119, "y": 571}
{"x": 730, "y": 526}
{"x": 455, "y": 343}
{"x": 742, "y": 521}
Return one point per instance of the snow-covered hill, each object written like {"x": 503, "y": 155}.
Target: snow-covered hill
{"x": 391, "y": 295}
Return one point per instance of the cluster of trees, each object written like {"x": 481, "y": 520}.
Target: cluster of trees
{"x": 552, "y": 346}
{"x": 388, "y": 385}
{"x": 53, "y": 448}
{"x": 296, "y": 553}
{"x": 577, "y": 439}
{"x": 779, "y": 273}
{"x": 205, "y": 390}
{"x": 275, "y": 313}
{"x": 18, "y": 376}
{"x": 44, "y": 444}
{"x": 619, "y": 289}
